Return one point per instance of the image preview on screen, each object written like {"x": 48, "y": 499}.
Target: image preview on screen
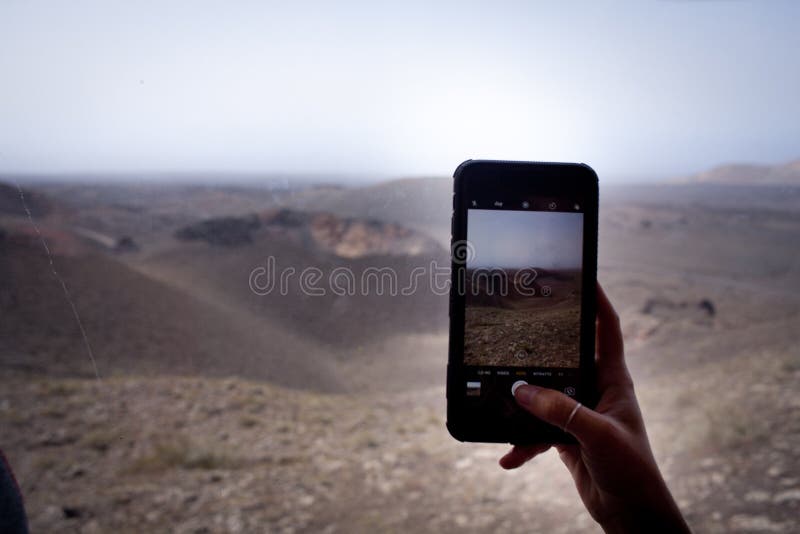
{"x": 523, "y": 288}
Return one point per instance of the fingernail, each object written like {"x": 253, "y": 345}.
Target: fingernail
{"x": 525, "y": 394}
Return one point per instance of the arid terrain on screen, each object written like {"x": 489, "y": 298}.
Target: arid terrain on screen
{"x": 217, "y": 408}
{"x": 506, "y": 325}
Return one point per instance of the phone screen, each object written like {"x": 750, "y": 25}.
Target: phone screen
{"x": 522, "y": 289}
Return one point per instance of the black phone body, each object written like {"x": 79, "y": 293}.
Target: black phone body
{"x": 522, "y": 296}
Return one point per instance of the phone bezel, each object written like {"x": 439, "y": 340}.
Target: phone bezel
{"x": 513, "y": 179}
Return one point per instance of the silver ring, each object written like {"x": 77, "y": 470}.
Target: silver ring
{"x": 571, "y": 415}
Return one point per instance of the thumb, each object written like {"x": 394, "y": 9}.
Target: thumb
{"x": 555, "y": 408}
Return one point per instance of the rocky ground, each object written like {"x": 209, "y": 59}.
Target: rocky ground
{"x": 191, "y": 455}
{"x": 539, "y": 337}
{"x": 229, "y": 455}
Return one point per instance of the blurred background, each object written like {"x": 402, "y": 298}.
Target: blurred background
{"x": 155, "y": 155}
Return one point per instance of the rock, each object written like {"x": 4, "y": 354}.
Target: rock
{"x": 756, "y": 496}
{"x": 72, "y": 512}
{"x": 464, "y": 463}
{"x": 775, "y": 471}
{"x": 787, "y": 495}
{"x": 126, "y": 244}
{"x": 57, "y": 438}
{"x": 75, "y": 471}
{"x": 707, "y": 306}
{"x": 708, "y": 462}
{"x": 51, "y": 514}
{"x": 222, "y": 231}
{"x": 754, "y": 523}
{"x": 287, "y": 218}
{"x": 671, "y": 309}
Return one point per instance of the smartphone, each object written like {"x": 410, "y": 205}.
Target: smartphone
{"x": 522, "y": 294}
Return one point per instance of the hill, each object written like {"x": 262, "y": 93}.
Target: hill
{"x": 134, "y": 324}
{"x": 423, "y": 204}
{"x": 182, "y": 302}
{"x": 748, "y": 174}
{"x": 217, "y": 260}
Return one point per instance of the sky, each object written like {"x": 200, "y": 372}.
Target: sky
{"x": 639, "y": 90}
{"x": 524, "y": 239}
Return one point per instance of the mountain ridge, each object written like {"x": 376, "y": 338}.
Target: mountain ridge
{"x": 747, "y": 174}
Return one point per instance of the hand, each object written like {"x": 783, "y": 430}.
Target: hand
{"x": 612, "y": 464}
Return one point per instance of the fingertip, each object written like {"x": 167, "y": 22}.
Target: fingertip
{"x": 524, "y": 394}
{"x": 521, "y": 454}
{"x": 509, "y": 461}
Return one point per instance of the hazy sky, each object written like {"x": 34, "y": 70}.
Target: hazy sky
{"x": 647, "y": 89}
{"x": 525, "y": 239}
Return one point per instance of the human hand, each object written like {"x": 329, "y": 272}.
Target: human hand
{"x": 612, "y": 464}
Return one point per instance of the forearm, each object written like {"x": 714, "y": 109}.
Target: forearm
{"x": 659, "y": 513}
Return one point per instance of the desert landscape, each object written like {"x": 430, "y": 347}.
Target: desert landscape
{"x": 147, "y": 387}
{"x": 511, "y": 328}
